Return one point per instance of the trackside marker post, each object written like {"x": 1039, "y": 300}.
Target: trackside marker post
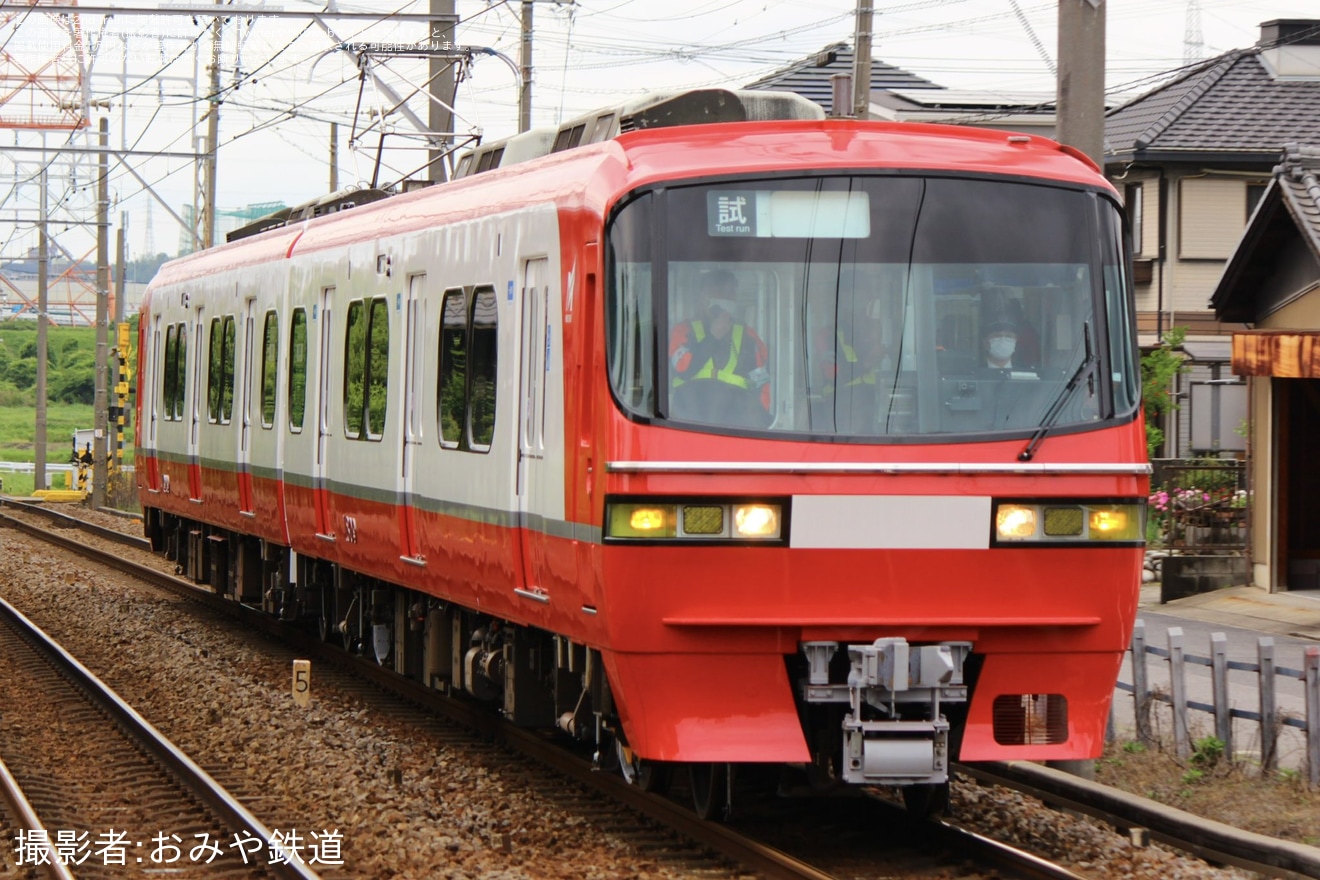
{"x": 302, "y": 683}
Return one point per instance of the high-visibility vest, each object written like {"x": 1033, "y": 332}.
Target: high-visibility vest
{"x": 849, "y": 353}
{"x": 849, "y": 356}
{"x": 727, "y": 373}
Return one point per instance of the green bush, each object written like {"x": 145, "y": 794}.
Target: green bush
{"x": 1158, "y": 368}
{"x": 22, "y": 374}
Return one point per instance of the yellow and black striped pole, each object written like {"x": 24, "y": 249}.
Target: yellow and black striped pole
{"x": 121, "y": 396}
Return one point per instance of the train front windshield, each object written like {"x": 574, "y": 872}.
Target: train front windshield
{"x": 871, "y": 307}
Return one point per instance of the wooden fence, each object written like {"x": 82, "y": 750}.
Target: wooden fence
{"x": 1267, "y": 715}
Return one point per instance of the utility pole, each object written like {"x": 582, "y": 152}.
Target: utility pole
{"x": 121, "y": 268}
{"x": 525, "y": 67}
{"x": 207, "y": 211}
{"x": 334, "y": 157}
{"x": 43, "y": 297}
{"x": 101, "y": 420}
{"x": 862, "y": 60}
{"x": 1081, "y": 84}
{"x": 440, "y": 71}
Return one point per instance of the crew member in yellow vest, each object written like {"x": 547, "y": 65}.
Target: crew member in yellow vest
{"x": 716, "y": 349}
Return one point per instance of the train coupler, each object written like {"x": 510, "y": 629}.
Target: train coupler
{"x": 895, "y": 732}
{"x": 895, "y": 752}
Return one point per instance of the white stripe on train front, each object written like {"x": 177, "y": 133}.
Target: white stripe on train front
{"x": 890, "y": 522}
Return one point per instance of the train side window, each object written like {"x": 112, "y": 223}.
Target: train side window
{"x": 452, "y": 385}
{"x": 213, "y": 372}
{"x": 355, "y": 368}
{"x": 181, "y": 372}
{"x": 378, "y": 368}
{"x": 171, "y": 379}
{"x": 366, "y": 369}
{"x": 297, "y": 369}
{"x": 220, "y": 371}
{"x": 485, "y": 346}
{"x": 227, "y": 370}
{"x": 270, "y": 345}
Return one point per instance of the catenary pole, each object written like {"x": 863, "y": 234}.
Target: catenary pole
{"x": 101, "y": 415}
{"x": 525, "y": 67}
{"x": 440, "y": 119}
{"x": 212, "y": 136}
{"x": 334, "y": 157}
{"x": 43, "y": 299}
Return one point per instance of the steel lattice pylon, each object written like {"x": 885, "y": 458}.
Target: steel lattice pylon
{"x": 42, "y": 66}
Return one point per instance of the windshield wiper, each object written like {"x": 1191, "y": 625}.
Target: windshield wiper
{"x": 1085, "y": 368}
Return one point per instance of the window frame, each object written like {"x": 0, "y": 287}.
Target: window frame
{"x": 297, "y": 369}
{"x": 270, "y": 386}
{"x": 220, "y": 370}
{"x": 471, "y": 371}
{"x": 370, "y": 314}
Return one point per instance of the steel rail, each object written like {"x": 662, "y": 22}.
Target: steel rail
{"x": 1204, "y": 838}
{"x": 74, "y": 522}
{"x": 22, "y": 810}
{"x": 197, "y": 780}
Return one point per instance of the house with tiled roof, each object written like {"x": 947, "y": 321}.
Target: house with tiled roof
{"x": 900, "y": 96}
{"x": 810, "y": 76}
{"x": 1193, "y": 157}
{"x": 1270, "y": 292}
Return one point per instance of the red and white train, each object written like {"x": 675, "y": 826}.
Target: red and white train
{"x": 447, "y": 425}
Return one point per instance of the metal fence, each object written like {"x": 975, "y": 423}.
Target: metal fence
{"x": 1266, "y": 714}
{"x": 1203, "y": 505}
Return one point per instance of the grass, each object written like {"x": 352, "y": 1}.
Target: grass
{"x": 1236, "y": 792}
{"x": 18, "y": 430}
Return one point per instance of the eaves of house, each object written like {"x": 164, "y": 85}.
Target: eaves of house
{"x": 1229, "y": 111}
{"x": 1289, "y": 209}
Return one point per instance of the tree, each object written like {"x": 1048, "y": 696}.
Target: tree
{"x": 22, "y": 373}
{"x": 1159, "y": 366}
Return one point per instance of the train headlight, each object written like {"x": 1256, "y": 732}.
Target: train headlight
{"x": 1015, "y": 522}
{"x": 1070, "y": 522}
{"x": 1116, "y": 522}
{"x": 643, "y": 520}
{"x": 756, "y": 520}
{"x": 697, "y": 520}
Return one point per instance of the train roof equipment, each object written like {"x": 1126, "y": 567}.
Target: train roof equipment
{"x": 656, "y": 110}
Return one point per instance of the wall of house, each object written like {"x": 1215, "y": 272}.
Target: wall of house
{"x": 1300, "y": 314}
{"x": 1261, "y": 454}
{"x": 1207, "y": 214}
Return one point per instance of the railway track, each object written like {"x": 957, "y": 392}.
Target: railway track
{"x": 931, "y": 848}
{"x": 108, "y": 791}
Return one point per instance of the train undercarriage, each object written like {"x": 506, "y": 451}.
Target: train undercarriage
{"x": 883, "y": 714}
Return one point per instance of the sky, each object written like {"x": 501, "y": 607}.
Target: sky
{"x": 284, "y": 82}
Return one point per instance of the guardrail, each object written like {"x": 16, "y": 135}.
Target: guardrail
{"x": 1267, "y": 715}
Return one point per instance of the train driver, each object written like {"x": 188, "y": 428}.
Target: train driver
{"x": 717, "y": 364}
{"x": 999, "y": 338}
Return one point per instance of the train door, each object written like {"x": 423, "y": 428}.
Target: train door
{"x": 149, "y": 398}
{"x": 245, "y": 503}
{"x": 195, "y": 415}
{"x": 320, "y": 490}
{"x": 414, "y": 352}
{"x": 533, "y": 470}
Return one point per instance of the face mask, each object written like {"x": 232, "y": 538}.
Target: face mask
{"x": 715, "y": 306}
{"x": 1002, "y": 347}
